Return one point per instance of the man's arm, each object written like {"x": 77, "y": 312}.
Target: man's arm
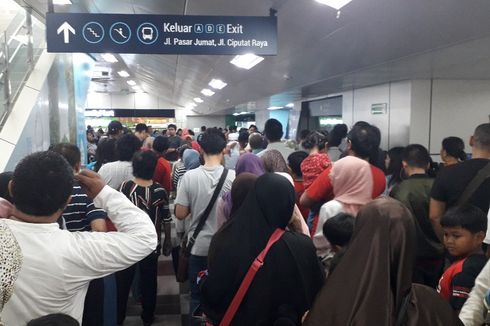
{"x": 181, "y": 212}
{"x": 96, "y": 254}
{"x": 98, "y": 225}
{"x": 306, "y": 201}
{"x": 436, "y": 210}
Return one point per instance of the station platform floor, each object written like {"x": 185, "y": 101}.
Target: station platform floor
{"x": 172, "y": 299}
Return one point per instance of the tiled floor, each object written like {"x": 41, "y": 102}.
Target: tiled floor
{"x": 172, "y": 299}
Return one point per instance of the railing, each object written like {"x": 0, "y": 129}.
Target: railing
{"x": 21, "y": 46}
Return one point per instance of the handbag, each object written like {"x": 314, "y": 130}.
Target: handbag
{"x": 474, "y": 184}
{"x": 249, "y": 277}
{"x": 182, "y": 274}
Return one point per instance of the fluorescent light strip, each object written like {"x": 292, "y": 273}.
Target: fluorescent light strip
{"x": 290, "y": 105}
{"x": 108, "y": 57}
{"x": 246, "y": 61}
{"x": 62, "y": 2}
{"x": 217, "y": 83}
{"x": 207, "y": 92}
{"x": 123, "y": 73}
{"x": 271, "y": 108}
{"x": 198, "y": 100}
{"x": 131, "y": 83}
{"x": 336, "y": 4}
{"x": 192, "y": 105}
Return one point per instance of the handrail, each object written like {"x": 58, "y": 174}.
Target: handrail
{"x": 17, "y": 57}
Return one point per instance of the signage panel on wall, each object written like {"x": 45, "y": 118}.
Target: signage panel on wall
{"x": 161, "y": 34}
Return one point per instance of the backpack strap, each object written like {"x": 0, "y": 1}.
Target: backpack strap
{"x": 249, "y": 277}
{"x": 474, "y": 184}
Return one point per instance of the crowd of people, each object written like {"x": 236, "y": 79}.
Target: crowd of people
{"x": 331, "y": 230}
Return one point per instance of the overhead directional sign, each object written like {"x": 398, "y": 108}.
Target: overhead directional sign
{"x": 161, "y": 34}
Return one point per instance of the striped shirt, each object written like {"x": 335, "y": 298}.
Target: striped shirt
{"x": 80, "y": 212}
{"x": 152, "y": 200}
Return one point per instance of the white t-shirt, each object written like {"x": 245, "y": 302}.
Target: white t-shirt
{"x": 115, "y": 173}
{"x": 195, "y": 191}
{"x": 327, "y": 211}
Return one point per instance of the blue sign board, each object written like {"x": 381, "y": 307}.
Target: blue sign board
{"x": 161, "y": 34}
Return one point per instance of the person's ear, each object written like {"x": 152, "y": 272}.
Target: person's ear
{"x": 10, "y": 186}
{"x": 66, "y": 204}
{"x": 480, "y": 236}
{"x": 472, "y": 141}
{"x": 78, "y": 166}
{"x": 404, "y": 164}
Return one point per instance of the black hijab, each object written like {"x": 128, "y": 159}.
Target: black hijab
{"x": 291, "y": 275}
{"x": 373, "y": 281}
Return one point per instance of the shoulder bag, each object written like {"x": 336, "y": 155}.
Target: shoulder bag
{"x": 474, "y": 184}
{"x": 182, "y": 274}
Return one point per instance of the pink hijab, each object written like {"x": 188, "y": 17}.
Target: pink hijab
{"x": 352, "y": 183}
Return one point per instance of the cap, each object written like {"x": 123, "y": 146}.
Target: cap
{"x": 114, "y": 127}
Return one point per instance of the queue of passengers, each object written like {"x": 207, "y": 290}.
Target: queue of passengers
{"x": 332, "y": 231}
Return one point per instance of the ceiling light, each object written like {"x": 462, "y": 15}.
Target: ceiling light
{"x": 207, "y": 92}
{"x": 217, "y": 83}
{"x": 274, "y": 108}
{"x": 198, "y": 100}
{"x": 131, "y": 83}
{"x": 137, "y": 89}
{"x": 290, "y": 105}
{"x": 236, "y": 114}
{"x": 62, "y": 2}
{"x": 123, "y": 73}
{"x": 246, "y": 61}
{"x": 336, "y": 4}
{"x": 108, "y": 57}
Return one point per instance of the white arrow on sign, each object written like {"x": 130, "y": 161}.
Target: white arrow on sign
{"x": 66, "y": 29}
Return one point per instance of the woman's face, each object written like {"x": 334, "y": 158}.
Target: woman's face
{"x": 387, "y": 162}
{"x": 90, "y": 137}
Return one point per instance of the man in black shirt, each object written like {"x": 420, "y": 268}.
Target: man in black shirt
{"x": 174, "y": 143}
{"x": 452, "y": 181}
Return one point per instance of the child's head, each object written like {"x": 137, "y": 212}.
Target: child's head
{"x": 294, "y": 162}
{"x": 464, "y": 230}
{"x": 338, "y": 230}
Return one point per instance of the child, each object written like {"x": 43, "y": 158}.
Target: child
{"x": 338, "y": 232}
{"x": 317, "y": 160}
{"x": 152, "y": 198}
{"x": 464, "y": 232}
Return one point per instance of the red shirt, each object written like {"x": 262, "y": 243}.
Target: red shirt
{"x": 299, "y": 188}
{"x": 313, "y": 166}
{"x": 458, "y": 280}
{"x": 163, "y": 173}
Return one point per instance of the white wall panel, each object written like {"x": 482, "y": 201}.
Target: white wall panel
{"x": 145, "y": 101}
{"x": 122, "y": 101}
{"x": 208, "y": 121}
{"x": 458, "y": 106}
{"x": 420, "y": 112}
{"x": 399, "y": 114}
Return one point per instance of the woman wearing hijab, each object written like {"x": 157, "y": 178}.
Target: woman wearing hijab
{"x": 250, "y": 163}
{"x": 247, "y": 163}
{"x": 191, "y": 159}
{"x": 10, "y": 263}
{"x": 286, "y": 285}
{"x": 232, "y": 200}
{"x": 352, "y": 185}
{"x": 274, "y": 162}
{"x": 372, "y": 284}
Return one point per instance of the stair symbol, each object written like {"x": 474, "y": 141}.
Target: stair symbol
{"x": 93, "y": 32}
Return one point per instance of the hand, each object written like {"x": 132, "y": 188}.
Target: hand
{"x": 91, "y": 182}
{"x": 167, "y": 247}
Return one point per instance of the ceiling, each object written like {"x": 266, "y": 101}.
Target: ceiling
{"x": 371, "y": 42}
